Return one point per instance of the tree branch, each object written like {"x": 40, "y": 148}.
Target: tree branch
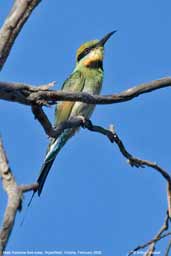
{"x": 78, "y": 121}
{"x": 30, "y": 95}
{"x": 168, "y": 248}
{"x": 14, "y": 193}
{"x": 113, "y": 137}
{"x": 160, "y": 235}
{"x": 17, "y": 17}
{"x": 109, "y": 133}
{"x": 14, "y": 199}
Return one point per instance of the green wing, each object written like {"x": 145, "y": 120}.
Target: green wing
{"x": 75, "y": 83}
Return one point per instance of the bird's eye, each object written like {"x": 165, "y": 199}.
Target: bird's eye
{"x": 86, "y": 50}
{"x": 83, "y": 53}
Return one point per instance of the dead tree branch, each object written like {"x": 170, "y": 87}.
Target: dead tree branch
{"x": 160, "y": 235}
{"x": 14, "y": 199}
{"x": 31, "y": 95}
{"x": 109, "y": 133}
{"x": 17, "y": 17}
{"x": 133, "y": 161}
{"x": 14, "y": 193}
{"x": 168, "y": 248}
{"x": 78, "y": 121}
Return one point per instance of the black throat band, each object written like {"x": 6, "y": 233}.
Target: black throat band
{"x": 95, "y": 64}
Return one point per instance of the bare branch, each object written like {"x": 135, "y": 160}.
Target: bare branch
{"x": 153, "y": 242}
{"x": 159, "y": 236}
{"x": 17, "y": 17}
{"x": 44, "y": 121}
{"x": 30, "y": 95}
{"x": 40, "y": 115}
{"x": 14, "y": 193}
{"x": 169, "y": 197}
{"x": 28, "y": 187}
{"x": 78, "y": 121}
{"x": 113, "y": 137}
{"x": 14, "y": 199}
{"x": 19, "y": 92}
{"x": 168, "y": 248}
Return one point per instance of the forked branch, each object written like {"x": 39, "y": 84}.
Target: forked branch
{"x": 14, "y": 193}
{"x": 152, "y": 243}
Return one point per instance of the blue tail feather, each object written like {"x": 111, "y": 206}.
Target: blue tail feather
{"x": 43, "y": 175}
{"x": 54, "y": 148}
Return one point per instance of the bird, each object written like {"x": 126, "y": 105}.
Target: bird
{"x": 87, "y": 76}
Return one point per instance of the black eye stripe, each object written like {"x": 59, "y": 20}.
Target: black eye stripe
{"x": 85, "y": 52}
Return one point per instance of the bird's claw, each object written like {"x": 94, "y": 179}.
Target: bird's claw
{"x": 85, "y": 122}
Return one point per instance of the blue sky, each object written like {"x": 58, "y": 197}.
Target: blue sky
{"x": 92, "y": 199}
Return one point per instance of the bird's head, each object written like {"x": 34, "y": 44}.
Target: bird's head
{"x": 92, "y": 52}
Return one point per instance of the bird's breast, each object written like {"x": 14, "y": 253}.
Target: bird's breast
{"x": 93, "y": 85}
{"x": 93, "y": 81}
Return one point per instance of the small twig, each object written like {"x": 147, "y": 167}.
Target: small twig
{"x": 148, "y": 243}
{"x": 152, "y": 242}
{"x": 45, "y": 87}
{"x": 30, "y": 95}
{"x": 14, "y": 193}
{"x": 28, "y": 187}
{"x": 168, "y": 248}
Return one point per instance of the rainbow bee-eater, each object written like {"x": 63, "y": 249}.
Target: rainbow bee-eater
{"x": 86, "y": 77}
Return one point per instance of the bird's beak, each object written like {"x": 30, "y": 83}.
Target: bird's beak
{"x": 105, "y": 38}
